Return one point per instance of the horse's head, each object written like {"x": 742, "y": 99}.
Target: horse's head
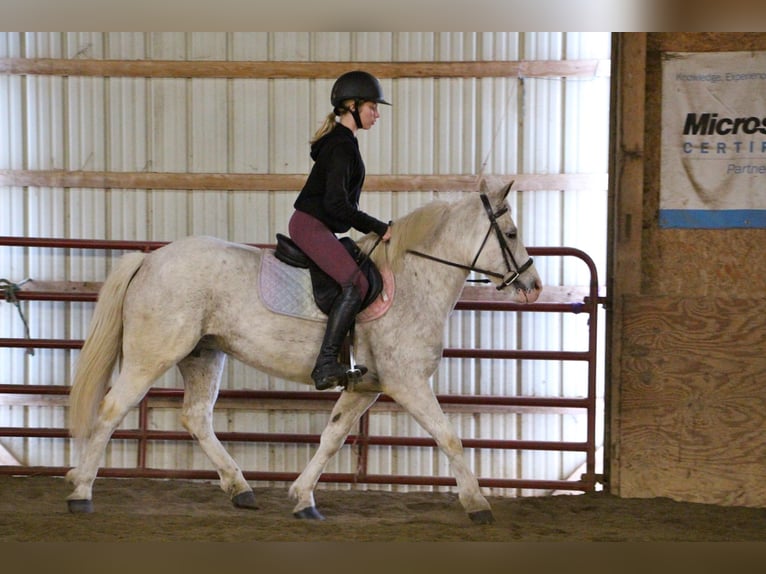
{"x": 476, "y": 233}
{"x": 502, "y": 256}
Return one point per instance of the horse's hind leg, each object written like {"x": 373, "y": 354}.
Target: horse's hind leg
{"x": 418, "y": 399}
{"x": 201, "y": 372}
{"x": 126, "y": 392}
{"x": 345, "y": 413}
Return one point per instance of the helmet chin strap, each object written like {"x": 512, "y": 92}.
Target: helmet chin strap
{"x": 355, "y": 114}
{"x": 353, "y": 111}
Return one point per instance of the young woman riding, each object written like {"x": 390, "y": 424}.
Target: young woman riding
{"x": 328, "y": 204}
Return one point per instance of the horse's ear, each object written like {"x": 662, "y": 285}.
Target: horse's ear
{"x": 507, "y": 189}
{"x": 483, "y": 188}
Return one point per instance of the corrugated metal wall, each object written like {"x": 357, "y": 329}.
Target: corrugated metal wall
{"x": 498, "y": 125}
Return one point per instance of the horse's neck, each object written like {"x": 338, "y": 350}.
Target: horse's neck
{"x": 437, "y": 285}
{"x": 443, "y": 235}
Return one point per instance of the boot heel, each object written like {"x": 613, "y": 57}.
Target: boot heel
{"x": 331, "y": 382}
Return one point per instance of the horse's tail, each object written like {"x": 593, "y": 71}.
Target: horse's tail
{"x": 101, "y": 349}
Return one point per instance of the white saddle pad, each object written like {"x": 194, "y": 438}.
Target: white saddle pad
{"x": 287, "y": 290}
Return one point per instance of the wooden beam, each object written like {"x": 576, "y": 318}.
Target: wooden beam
{"x": 706, "y": 41}
{"x": 473, "y": 293}
{"x": 62, "y": 286}
{"x": 287, "y": 182}
{"x": 626, "y": 194}
{"x": 302, "y": 70}
{"x": 627, "y": 175}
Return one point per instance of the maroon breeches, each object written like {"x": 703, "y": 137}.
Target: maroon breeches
{"x": 322, "y": 246}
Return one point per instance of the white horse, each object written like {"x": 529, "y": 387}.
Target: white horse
{"x": 194, "y": 301}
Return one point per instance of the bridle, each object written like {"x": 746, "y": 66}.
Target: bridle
{"x": 514, "y": 269}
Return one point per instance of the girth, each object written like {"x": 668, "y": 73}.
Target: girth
{"x": 325, "y": 288}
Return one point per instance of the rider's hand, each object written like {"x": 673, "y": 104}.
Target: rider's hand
{"x": 387, "y": 234}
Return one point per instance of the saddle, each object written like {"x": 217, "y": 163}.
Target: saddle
{"x": 324, "y": 287}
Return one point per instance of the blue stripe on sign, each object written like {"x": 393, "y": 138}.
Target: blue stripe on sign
{"x": 711, "y": 219}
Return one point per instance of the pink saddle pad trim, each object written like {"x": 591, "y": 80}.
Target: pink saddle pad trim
{"x": 382, "y": 302}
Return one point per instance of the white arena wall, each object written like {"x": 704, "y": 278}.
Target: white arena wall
{"x": 542, "y": 124}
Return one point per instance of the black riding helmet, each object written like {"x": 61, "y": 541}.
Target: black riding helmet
{"x": 359, "y": 86}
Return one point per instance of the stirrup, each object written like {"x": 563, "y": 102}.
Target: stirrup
{"x": 355, "y": 371}
{"x": 355, "y": 374}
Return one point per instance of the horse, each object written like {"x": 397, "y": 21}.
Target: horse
{"x": 160, "y": 309}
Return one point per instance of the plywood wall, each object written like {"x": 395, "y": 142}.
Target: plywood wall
{"x": 688, "y": 364}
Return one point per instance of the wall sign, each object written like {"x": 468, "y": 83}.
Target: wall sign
{"x": 713, "y": 168}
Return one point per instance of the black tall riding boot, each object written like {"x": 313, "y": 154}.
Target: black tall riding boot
{"x": 328, "y": 373}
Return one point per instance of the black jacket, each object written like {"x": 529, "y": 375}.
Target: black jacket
{"x": 332, "y": 190}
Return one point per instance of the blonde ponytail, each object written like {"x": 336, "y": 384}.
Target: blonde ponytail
{"x": 326, "y": 128}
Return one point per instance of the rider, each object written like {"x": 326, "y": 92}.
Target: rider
{"x": 329, "y": 204}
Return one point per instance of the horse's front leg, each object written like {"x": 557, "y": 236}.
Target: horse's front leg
{"x": 345, "y": 413}
{"x": 418, "y": 399}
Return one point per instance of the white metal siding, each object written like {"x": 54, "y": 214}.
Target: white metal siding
{"x": 436, "y": 126}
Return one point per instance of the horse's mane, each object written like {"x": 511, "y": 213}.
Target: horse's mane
{"x": 408, "y": 232}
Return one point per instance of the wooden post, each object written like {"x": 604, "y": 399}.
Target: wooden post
{"x": 626, "y": 189}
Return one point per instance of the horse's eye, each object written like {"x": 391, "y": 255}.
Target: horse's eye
{"x": 511, "y": 234}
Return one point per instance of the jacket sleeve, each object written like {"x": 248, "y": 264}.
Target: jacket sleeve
{"x": 339, "y": 199}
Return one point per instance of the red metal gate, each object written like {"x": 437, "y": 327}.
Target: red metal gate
{"x": 477, "y": 300}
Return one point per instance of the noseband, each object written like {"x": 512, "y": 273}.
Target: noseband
{"x": 514, "y": 270}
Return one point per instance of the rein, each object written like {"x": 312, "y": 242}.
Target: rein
{"x": 374, "y": 245}
{"x": 366, "y": 256}
{"x": 514, "y": 270}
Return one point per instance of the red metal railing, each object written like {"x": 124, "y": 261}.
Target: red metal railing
{"x": 362, "y": 440}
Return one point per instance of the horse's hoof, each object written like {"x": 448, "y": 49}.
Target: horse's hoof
{"x": 80, "y": 506}
{"x": 309, "y": 513}
{"x": 245, "y": 500}
{"x": 482, "y": 517}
